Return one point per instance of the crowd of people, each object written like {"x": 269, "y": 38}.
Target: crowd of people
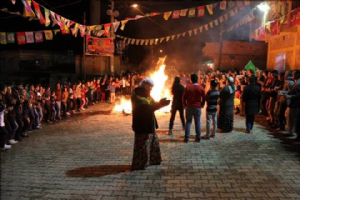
{"x": 25, "y": 107}
{"x": 272, "y": 94}
{"x": 247, "y": 93}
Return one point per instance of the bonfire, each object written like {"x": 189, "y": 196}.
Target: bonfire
{"x": 159, "y": 91}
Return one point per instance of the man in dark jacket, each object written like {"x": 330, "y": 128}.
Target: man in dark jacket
{"x": 251, "y": 96}
{"x": 177, "y": 91}
{"x": 146, "y": 144}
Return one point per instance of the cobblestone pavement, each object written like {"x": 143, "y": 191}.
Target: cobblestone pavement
{"x": 88, "y": 157}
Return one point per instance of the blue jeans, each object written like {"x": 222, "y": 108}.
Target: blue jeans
{"x": 249, "y": 122}
{"x": 196, "y": 114}
{"x": 211, "y": 119}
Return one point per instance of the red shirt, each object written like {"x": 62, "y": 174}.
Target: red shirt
{"x": 194, "y": 96}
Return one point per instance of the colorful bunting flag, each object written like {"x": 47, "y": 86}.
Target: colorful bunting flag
{"x": 75, "y": 29}
{"x": 231, "y": 4}
{"x": 82, "y": 29}
{"x": 223, "y": 5}
{"x": 21, "y": 38}
{"x": 29, "y": 37}
{"x": 221, "y": 19}
{"x": 107, "y": 28}
{"x": 206, "y": 27}
{"x": 10, "y": 38}
{"x": 183, "y": 12}
{"x": 39, "y": 36}
{"x": 190, "y": 32}
{"x": 200, "y": 11}
{"x": 48, "y": 34}
{"x": 183, "y": 34}
{"x": 215, "y": 22}
{"x": 123, "y": 24}
{"x": 46, "y": 15}
{"x": 210, "y": 9}
{"x": 28, "y": 12}
{"x": 53, "y": 17}
{"x": 192, "y": 12}
{"x": 3, "y": 38}
{"x": 211, "y": 24}
{"x": 176, "y": 14}
{"x": 115, "y": 26}
{"x": 39, "y": 15}
{"x": 161, "y": 40}
{"x": 167, "y": 15}
{"x": 250, "y": 66}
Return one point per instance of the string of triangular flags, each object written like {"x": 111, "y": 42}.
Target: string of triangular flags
{"x": 205, "y": 27}
{"x": 32, "y": 9}
{"x": 29, "y": 37}
{"x": 274, "y": 27}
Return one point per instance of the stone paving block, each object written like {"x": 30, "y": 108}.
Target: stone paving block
{"x": 231, "y": 166}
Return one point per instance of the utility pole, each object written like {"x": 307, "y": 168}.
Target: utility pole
{"x": 113, "y": 36}
{"x": 83, "y": 70}
{"x": 220, "y": 46}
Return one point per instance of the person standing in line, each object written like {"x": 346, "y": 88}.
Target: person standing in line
{"x": 212, "y": 97}
{"x": 251, "y": 96}
{"x": 177, "y": 91}
{"x": 226, "y": 114}
{"x": 193, "y": 100}
{"x": 58, "y": 101}
{"x": 144, "y": 123}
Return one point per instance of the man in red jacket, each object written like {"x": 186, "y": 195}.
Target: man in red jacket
{"x": 193, "y": 100}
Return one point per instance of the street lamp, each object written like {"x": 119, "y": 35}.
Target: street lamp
{"x": 134, "y": 5}
{"x": 264, "y": 7}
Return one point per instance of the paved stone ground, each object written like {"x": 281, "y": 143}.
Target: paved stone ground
{"x": 88, "y": 157}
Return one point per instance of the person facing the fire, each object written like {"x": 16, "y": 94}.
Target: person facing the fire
{"x": 144, "y": 123}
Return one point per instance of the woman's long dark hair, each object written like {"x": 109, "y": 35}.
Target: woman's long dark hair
{"x": 175, "y": 84}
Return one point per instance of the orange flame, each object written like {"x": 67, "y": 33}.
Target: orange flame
{"x": 159, "y": 91}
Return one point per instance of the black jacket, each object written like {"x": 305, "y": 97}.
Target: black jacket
{"x": 143, "y": 117}
{"x": 251, "y": 97}
{"x": 177, "y": 92}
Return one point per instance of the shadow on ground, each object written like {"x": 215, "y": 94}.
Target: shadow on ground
{"x": 97, "y": 171}
{"x": 292, "y": 145}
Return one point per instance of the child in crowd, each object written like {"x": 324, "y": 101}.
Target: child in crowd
{"x": 212, "y": 97}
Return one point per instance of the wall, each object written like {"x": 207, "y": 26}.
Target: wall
{"x": 236, "y": 54}
{"x": 287, "y": 43}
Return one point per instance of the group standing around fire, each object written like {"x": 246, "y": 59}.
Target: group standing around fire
{"x": 274, "y": 95}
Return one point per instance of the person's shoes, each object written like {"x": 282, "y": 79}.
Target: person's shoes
{"x": 6, "y": 147}
{"x": 212, "y": 136}
{"x": 205, "y": 137}
{"x": 186, "y": 140}
{"x": 294, "y": 136}
{"x": 197, "y": 139}
{"x": 247, "y": 131}
{"x": 170, "y": 132}
{"x": 24, "y": 135}
{"x": 12, "y": 141}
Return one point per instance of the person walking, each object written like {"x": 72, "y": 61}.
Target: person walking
{"x": 144, "y": 123}
{"x": 193, "y": 100}
{"x": 212, "y": 97}
{"x": 251, "y": 96}
{"x": 177, "y": 91}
